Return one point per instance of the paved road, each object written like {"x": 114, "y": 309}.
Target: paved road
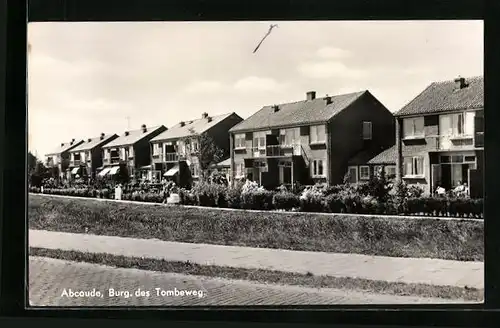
{"x": 49, "y": 278}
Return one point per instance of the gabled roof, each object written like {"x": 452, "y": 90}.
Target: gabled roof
{"x": 444, "y": 96}
{"x": 224, "y": 163}
{"x": 64, "y": 147}
{"x": 191, "y": 127}
{"x": 374, "y": 156}
{"x": 298, "y": 113}
{"x": 133, "y": 137}
{"x": 388, "y": 156}
{"x": 94, "y": 142}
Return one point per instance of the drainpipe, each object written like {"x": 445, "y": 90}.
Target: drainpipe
{"x": 399, "y": 157}
{"x": 231, "y": 149}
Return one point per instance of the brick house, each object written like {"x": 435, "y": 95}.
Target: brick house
{"x": 130, "y": 153}
{"x": 58, "y": 160}
{"x": 87, "y": 157}
{"x": 175, "y": 152}
{"x": 308, "y": 141}
{"x": 440, "y": 136}
{"x": 364, "y": 165}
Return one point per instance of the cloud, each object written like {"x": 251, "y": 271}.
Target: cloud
{"x": 254, "y": 83}
{"x": 204, "y": 87}
{"x": 330, "y": 69}
{"x": 332, "y": 53}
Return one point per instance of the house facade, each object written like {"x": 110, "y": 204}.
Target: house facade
{"x": 309, "y": 141}
{"x": 440, "y": 136}
{"x": 364, "y": 165}
{"x": 88, "y": 156}
{"x": 58, "y": 161}
{"x": 130, "y": 153}
{"x": 175, "y": 153}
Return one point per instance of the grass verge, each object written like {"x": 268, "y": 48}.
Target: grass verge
{"x": 266, "y": 276}
{"x": 461, "y": 240}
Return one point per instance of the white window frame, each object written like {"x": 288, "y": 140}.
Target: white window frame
{"x": 412, "y": 121}
{"x": 261, "y": 139}
{"x": 195, "y": 145}
{"x": 361, "y": 175}
{"x": 370, "y": 131}
{"x": 83, "y": 157}
{"x": 390, "y": 167}
{"x": 240, "y": 170}
{"x": 315, "y": 167}
{"x": 460, "y": 123}
{"x": 356, "y": 177}
{"x": 317, "y": 134}
{"x": 289, "y": 137}
{"x": 239, "y": 141}
{"x": 131, "y": 151}
{"x": 414, "y": 160}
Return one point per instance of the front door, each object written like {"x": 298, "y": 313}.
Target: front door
{"x": 446, "y": 176}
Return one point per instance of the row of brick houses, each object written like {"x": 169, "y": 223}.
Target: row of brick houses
{"x": 435, "y": 140}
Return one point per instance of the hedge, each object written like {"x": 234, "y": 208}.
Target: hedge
{"x": 332, "y": 200}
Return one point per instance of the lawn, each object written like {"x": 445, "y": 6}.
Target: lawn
{"x": 386, "y": 236}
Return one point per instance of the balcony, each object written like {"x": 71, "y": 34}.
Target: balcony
{"x": 174, "y": 157}
{"x": 278, "y": 151}
{"x": 455, "y": 142}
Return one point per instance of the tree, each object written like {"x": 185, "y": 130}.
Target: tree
{"x": 32, "y": 162}
{"x": 208, "y": 153}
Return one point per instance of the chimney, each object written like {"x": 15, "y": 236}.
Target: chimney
{"x": 328, "y": 99}
{"x": 460, "y": 83}
{"x": 89, "y": 140}
{"x": 72, "y": 141}
{"x": 311, "y": 95}
{"x": 276, "y": 108}
{"x": 143, "y": 127}
{"x": 126, "y": 133}
{"x": 209, "y": 119}
{"x": 204, "y": 115}
{"x": 62, "y": 144}
{"x": 182, "y": 123}
{"x": 102, "y": 136}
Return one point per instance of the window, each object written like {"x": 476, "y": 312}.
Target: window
{"x": 289, "y": 137}
{"x": 457, "y": 124}
{"x": 259, "y": 139}
{"x": 469, "y": 159}
{"x": 239, "y": 141}
{"x": 364, "y": 172}
{"x": 318, "y": 168}
{"x": 122, "y": 154}
{"x": 413, "y": 166}
{"x": 390, "y": 171}
{"x": 317, "y": 134}
{"x": 195, "y": 146}
{"x": 413, "y": 127}
{"x": 353, "y": 174}
{"x": 195, "y": 170}
{"x": 377, "y": 169}
{"x": 82, "y": 156}
{"x": 367, "y": 130}
{"x": 131, "y": 151}
{"x": 240, "y": 170}
{"x": 89, "y": 156}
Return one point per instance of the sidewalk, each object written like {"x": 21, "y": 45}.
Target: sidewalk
{"x": 407, "y": 270}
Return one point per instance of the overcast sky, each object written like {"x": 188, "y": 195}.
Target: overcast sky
{"x": 87, "y": 78}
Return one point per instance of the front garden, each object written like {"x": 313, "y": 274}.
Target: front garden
{"x": 378, "y": 196}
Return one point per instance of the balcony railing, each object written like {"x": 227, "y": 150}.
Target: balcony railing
{"x": 174, "y": 157}
{"x": 455, "y": 142}
{"x": 278, "y": 151}
{"x": 76, "y": 162}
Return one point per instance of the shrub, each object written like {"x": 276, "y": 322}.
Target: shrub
{"x": 186, "y": 197}
{"x": 333, "y": 203}
{"x": 285, "y": 200}
{"x": 210, "y": 194}
{"x": 259, "y": 199}
{"x": 311, "y": 199}
{"x": 233, "y": 197}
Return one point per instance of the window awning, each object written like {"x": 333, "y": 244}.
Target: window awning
{"x": 172, "y": 171}
{"x": 114, "y": 170}
{"x": 104, "y": 172}
{"x": 75, "y": 170}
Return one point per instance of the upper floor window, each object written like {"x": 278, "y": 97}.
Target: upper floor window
{"x": 413, "y": 127}
{"x": 123, "y": 155}
{"x": 259, "y": 139}
{"x": 82, "y": 156}
{"x": 289, "y": 136}
{"x": 457, "y": 124}
{"x": 317, "y": 133}
{"x": 367, "y": 130}
{"x": 131, "y": 151}
{"x": 239, "y": 141}
{"x": 195, "y": 146}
